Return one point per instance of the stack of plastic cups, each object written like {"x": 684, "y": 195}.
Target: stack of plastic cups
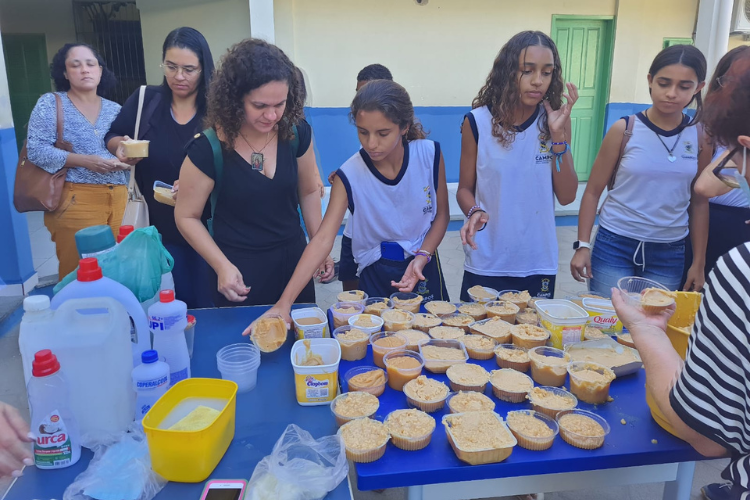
{"x": 239, "y": 363}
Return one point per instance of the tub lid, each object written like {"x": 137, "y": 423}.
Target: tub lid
{"x": 558, "y": 309}
{"x": 598, "y": 305}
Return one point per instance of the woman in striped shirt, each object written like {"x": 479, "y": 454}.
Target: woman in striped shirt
{"x": 706, "y": 400}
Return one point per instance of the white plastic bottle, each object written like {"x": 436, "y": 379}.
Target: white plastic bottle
{"x": 57, "y": 444}
{"x": 150, "y": 381}
{"x": 167, "y": 320}
{"x": 91, "y": 283}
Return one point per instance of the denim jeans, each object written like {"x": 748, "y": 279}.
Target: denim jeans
{"x": 614, "y": 257}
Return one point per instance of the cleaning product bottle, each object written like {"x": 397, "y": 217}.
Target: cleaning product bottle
{"x": 57, "y": 444}
{"x": 94, "y": 240}
{"x": 124, "y": 231}
{"x": 168, "y": 320}
{"x": 91, "y": 283}
{"x": 150, "y": 381}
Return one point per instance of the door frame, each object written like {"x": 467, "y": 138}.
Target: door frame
{"x": 609, "y": 55}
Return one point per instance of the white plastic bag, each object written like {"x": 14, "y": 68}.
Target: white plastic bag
{"x": 120, "y": 471}
{"x": 299, "y": 468}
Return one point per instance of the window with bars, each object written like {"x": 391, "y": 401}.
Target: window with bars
{"x": 114, "y": 29}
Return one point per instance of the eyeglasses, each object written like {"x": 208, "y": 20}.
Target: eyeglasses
{"x": 173, "y": 69}
{"x": 724, "y": 80}
{"x": 729, "y": 173}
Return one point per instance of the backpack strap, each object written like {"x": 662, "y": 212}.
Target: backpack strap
{"x": 213, "y": 139}
{"x": 626, "y": 135}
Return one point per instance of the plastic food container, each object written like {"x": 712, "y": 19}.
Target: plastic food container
{"x": 442, "y": 365}
{"x": 457, "y": 385}
{"x": 351, "y": 350}
{"x": 190, "y": 334}
{"x": 528, "y": 316}
{"x": 190, "y": 456}
{"x": 316, "y": 385}
{"x": 341, "y": 419}
{"x": 625, "y": 339}
{"x": 446, "y": 332}
{"x": 463, "y": 321}
{"x": 475, "y": 346}
{"x": 577, "y": 439}
{"x": 503, "y": 393}
{"x": 502, "y": 362}
{"x": 133, "y": 148}
{"x": 413, "y": 338}
{"x": 395, "y": 320}
{"x": 363, "y": 456}
{"x": 397, "y": 376}
{"x": 633, "y": 287}
{"x": 519, "y": 334}
{"x": 564, "y": 320}
{"x": 439, "y": 307}
{"x": 407, "y": 301}
{"x": 378, "y": 351}
{"x": 376, "y": 305}
{"x": 504, "y": 310}
{"x": 342, "y": 311}
{"x": 630, "y": 361}
{"x": 239, "y": 363}
{"x": 590, "y": 391}
{"x": 477, "y": 298}
{"x": 408, "y": 443}
{"x": 545, "y": 371}
{"x": 375, "y": 389}
{"x": 522, "y": 304}
{"x": 500, "y": 333}
{"x": 488, "y": 404}
{"x": 430, "y": 406}
{"x": 477, "y": 457}
{"x": 528, "y": 440}
{"x": 373, "y": 318}
{"x": 602, "y": 315}
{"x": 424, "y": 321}
{"x": 547, "y": 409}
{"x": 269, "y": 333}
{"x": 163, "y": 193}
{"x": 577, "y": 299}
{"x": 353, "y": 296}
{"x": 474, "y": 309}
{"x": 310, "y": 323}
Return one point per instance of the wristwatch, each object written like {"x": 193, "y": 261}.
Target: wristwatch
{"x": 581, "y": 244}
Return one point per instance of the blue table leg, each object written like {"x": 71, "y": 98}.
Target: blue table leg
{"x": 680, "y": 488}
{"x": 414, "y": 493}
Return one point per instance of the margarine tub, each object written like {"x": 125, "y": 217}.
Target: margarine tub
{"x": 564, "y": 320}
{"x": 310, "y": 323}
{"x": 316, "y": 370}
{"x": 602, "y": 315}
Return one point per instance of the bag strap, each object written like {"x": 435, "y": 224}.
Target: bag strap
{"x": 141, "y": 97}
{"x": 213, "y": 139}
{"x": 61, "y": 143}
{"x": 626, "y": 135}
{"x": 148, "y": 112}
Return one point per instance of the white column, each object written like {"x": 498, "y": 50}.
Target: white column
{"x": 261, "y": 20}
{"x": 712, "y": 30}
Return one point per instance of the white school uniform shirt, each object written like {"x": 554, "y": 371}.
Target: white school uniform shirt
{"x": 514, "y": 187}
{"x": 651, "y": 195}
{"x": 735, "y": 197}
{"x": 399, "y": 210}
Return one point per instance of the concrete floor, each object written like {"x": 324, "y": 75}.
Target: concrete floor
{"x": 12, "y": 388}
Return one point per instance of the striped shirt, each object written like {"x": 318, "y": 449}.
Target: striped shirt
{"x": 712, "y": 394}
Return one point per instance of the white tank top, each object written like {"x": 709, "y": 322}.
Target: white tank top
{"x": 650, "y": 199}
{"x": 514, "y": 187}
{"x": 735, "y": 197}
{"x": 399, "y": 210}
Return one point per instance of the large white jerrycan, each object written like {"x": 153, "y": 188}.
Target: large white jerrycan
{"x": 91, "y": 339}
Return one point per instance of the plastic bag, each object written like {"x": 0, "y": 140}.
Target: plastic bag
{"x": 299, "y": 468}
{"x": 138, "y": 263}
{"x": 121, "y": 471}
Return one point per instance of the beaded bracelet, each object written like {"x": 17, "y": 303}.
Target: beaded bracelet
{"x": 424, "y": 253}
{"x": 475, "y": 208}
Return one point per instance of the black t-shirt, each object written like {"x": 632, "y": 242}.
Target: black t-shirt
{"x": 254, "y": 212}
{"x": 165, "y": 154}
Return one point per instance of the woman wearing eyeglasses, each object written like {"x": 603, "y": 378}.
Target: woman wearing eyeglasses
{"x": 172, "y": 114}
{"x": 706, "y": 400}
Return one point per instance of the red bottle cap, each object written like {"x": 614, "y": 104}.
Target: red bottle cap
{"x": 45, "y": 363}
{"x": 166, "y": 296}
{"x": 124, "y": 231}
{"x": 89, "y": 270}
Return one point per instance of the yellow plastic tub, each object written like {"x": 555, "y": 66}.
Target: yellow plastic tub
{"x": 190, "y": 456}
{"x": 678, "y": 331}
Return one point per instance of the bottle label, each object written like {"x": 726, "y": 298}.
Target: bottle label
{"x": 52, "y": 447}
{"x": 162, "y": 323}
{"x": 175, "y": 377}
{"x": 151, "y": 384}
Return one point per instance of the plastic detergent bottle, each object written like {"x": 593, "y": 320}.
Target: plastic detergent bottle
{"x": 150, "y": 381}
{"x": 57, "y": 444}
{"x": 94, "y": 240}
{"x": 168, "y": 320}
{"x": 124, "y": 231}
{"x": 91, "y": 283}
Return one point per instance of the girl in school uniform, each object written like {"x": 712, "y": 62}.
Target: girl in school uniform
{"x": 644, "y": 221}
{"x": 396, "y": 191}
{"x": 515, "y": 160}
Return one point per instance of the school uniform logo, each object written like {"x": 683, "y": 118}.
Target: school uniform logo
{"x": 689, "y": 151}
{"x": 545, "y": 151}
{"x": 428, "y": 208}
{"x": 545, "y": 285}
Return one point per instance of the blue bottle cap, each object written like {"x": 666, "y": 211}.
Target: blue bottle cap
{"x": 149, "y": 357}
{"x": 94, "y": 239}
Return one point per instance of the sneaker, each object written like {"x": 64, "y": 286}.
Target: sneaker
{"x": 718, "y": 491}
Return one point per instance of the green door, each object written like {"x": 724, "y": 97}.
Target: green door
{"x": 585, "y": 47}
{"x": 28, "y": 76}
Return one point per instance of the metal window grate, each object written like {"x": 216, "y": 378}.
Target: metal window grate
{"x": 114, "y": 29}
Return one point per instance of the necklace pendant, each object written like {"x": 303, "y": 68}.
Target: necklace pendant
{"x": 256, "y": 160}
{"x": 672, "y": 158}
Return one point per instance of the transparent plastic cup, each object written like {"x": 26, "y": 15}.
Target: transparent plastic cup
{"x": 239, "y": 363}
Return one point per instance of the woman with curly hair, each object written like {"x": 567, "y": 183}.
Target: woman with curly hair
{"x": 515, "y": 159}
{"x": 266, "y": 169}
{"x": 95, "y": 191}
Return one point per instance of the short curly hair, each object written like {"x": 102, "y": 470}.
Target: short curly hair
{"x": 727, "y": 108}
{"x": 248, "y": 65}
{"x": 57, "y": 70}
